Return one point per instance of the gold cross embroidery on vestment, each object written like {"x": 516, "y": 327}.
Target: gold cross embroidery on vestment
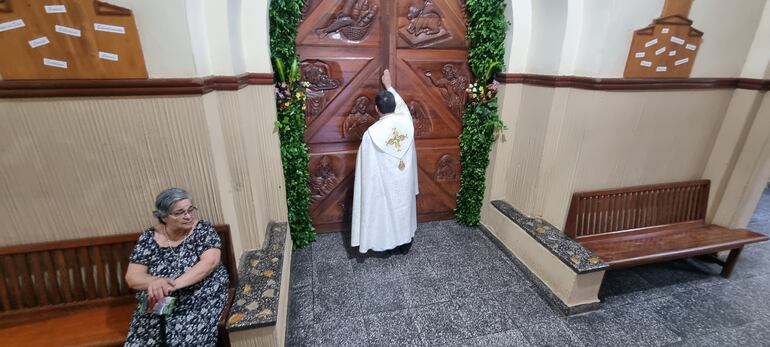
{"x": 396, "y": 139}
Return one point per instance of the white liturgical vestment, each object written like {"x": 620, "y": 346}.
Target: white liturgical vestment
{"x": 384, "y": 205}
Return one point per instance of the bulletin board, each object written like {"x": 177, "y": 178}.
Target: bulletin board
{"x": 68, "y": 39}
{"x": 667, "y": 48}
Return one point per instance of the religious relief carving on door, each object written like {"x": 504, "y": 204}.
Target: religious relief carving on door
{"x": 425, "y": 25}
{"x": 317, "y": 74}
{"x": 353, "y": 20}
{"x": 423, "y": 124}
{"x": 452, "y": 85}
{"x": 358, "y": 120}
{"x": 448, "y": 169}
{"x": 323, "y": 180}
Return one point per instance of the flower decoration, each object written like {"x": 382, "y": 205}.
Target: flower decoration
{"x": 482, "y": 93}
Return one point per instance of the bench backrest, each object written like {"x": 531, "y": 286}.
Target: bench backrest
{"x": 623, "y": 209}
{"x": 76, "y": 273}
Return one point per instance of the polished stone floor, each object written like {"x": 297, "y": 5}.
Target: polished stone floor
{"x": 455, "y": 287}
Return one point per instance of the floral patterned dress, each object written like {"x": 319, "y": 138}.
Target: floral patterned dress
{"x": 198, "y": 307}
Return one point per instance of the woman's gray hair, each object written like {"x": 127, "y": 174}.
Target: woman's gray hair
{"x": 166, "y": 199}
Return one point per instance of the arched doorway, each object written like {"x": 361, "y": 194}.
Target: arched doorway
{"x": 344, "y": 45}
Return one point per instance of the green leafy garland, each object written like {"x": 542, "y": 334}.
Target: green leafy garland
{"x": 285, "y": 16}
{"x": 486, "y": 31}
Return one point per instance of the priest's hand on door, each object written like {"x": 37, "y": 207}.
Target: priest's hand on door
{"x": 386, "y": 82}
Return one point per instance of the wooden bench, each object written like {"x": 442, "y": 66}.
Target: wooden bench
{"x": 73, "y": 292}
{"x": 653, "y": 223}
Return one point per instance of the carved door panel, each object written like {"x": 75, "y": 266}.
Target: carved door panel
{"x": 344, "y": 46}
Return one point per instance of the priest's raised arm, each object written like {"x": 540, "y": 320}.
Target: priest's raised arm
{"x": 385, "y": 188}
{"x": 401, "y": 107}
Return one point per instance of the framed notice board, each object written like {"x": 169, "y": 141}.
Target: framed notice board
{"x": 68, "y": 39}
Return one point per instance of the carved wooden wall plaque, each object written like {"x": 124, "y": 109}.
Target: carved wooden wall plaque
{"x": 68, "y": 39}
{"x": 667, "y": 47}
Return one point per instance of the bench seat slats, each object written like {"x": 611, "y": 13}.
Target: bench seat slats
{"x": 98, "y": 263}
{"x": 645, "y": 224}
{"x": 65, "y": 285}
{"x": 5, "y": 299}
{"x": 52, "y": 284}
{"x": 604, "y": 211}
{"x": 25, "y": 281}
{"x": 110, "y": 270}
{"x": 115, "y": 273}
{"x": 14, "y": 290}
{"x": 83, "y": 266}
{"x": 33, "y": 259}
{"x": 73, "y": 269}
{"x": 640, "y": 248}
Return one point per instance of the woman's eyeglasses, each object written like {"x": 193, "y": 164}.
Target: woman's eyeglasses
{"x": 182, "y": 213}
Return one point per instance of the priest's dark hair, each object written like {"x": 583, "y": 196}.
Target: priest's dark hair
{"x": 386, "y": 102}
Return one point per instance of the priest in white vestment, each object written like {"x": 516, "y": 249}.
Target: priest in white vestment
{"x": 384, "y": 205}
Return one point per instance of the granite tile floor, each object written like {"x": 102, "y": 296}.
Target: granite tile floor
{"x": 456, "y": 288}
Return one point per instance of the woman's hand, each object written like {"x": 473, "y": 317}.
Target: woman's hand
{"x": 158, "y": 289}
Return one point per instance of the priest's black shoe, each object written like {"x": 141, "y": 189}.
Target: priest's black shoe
{"x": 404, "y": 249}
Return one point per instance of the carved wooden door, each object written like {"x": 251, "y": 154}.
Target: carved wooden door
{"x": 344, "y": 46}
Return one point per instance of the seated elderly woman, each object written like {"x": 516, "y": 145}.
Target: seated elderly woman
{"x": 179, "y": 258}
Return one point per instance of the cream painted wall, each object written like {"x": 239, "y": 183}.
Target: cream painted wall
{"x": 758, "y": 60}
{"x": 547, "y": 36}
{"x": 625, "y": 139}
{"x": 728, "y": 34}
{"x": 607, "y": 29}
{"x": 519, "y": 14}
{"x": 82, "y": 167}
{"x": 188, "y": 38}
{"x": 230, "y": 160}
{"x": 580, "y": 37}
{"x": 255, "y": 35}
{"x": 592, "y": 37}
{"x": 748, "y": 177}
{"x": 738, "y": 121}
{"x": 562, "y": 140}
{"x": 164, "y": 33}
